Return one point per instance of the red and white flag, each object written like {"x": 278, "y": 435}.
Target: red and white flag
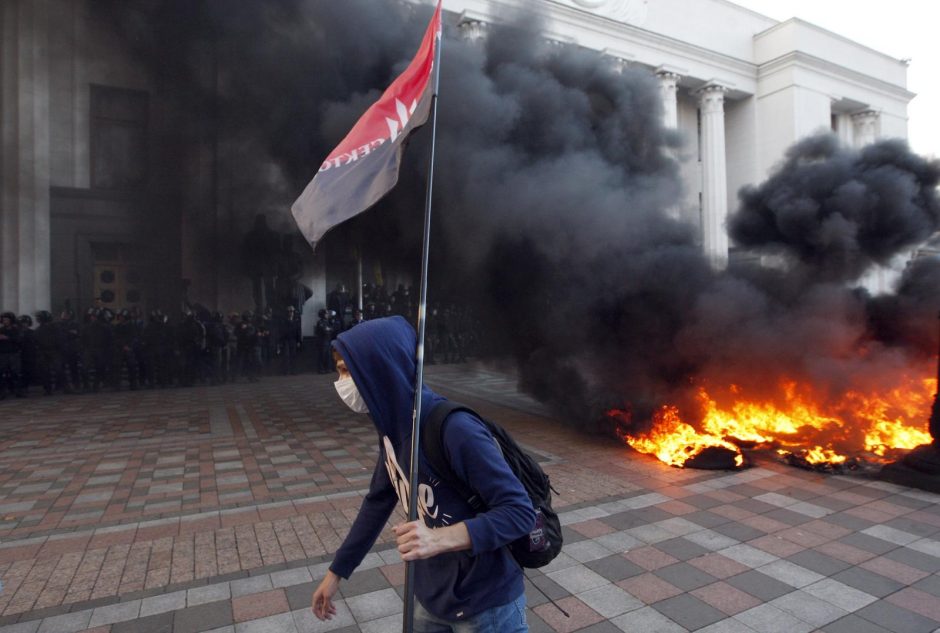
{"x": 364, "y": 166}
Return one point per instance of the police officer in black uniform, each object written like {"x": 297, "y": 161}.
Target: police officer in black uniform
{"x": 49, "y": 345}
{"x": 249, "y": 347}
{"x": 324, "y": 334}
{"x": 338, "y": 301}
{"x": 71, "y": 337}
{"x": 190, "y": 339}
{"x": 263, "y": 324}
{"x": 230, "y": 352}
{"x": 290, "y": 341}
{"x": 126, "y": 350}
{"x": 157, "y": 348}
{"x": 28, "y": 352}
{"x": 216, "y": 342}
{"x": 10, "y": 356}
{"x": 98, "y": 341}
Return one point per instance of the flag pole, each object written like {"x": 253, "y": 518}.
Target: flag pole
{"x": 409, "y": 599}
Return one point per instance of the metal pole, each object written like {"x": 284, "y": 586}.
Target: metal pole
{"x": 408, "y": 614}
{"x": 359, "y": 274}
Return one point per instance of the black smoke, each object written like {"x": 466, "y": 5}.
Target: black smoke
{"x": 907, "y": 319}
{"x": 552, "y": 183}
{"x": 839, "y": 211}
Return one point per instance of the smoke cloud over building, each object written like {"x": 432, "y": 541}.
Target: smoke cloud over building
{"x": 840, "y": 211}
{"x": 553, "y": 180}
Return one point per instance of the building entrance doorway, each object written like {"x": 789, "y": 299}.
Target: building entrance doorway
{"x": 118, "y": 277}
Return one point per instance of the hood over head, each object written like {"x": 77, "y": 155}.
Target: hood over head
{"x": 380, "y": 355}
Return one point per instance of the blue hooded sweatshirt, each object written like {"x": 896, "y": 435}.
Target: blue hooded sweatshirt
{"x": 380, "y": 355}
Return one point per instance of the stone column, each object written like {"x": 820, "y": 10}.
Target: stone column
{"x": 714, "y": 175}
{"x": 668, "y": 86}
{"x": 24, "y": 127}
{"x": 617, "y": 64}
{"x": 555, "y": 39}
{"x": 866, "y": 127}
{"x": 471, "y": 29}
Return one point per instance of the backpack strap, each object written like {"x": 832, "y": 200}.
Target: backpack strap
{"x": 432, "y": 444}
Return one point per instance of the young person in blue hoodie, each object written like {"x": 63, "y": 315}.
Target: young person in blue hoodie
{"x": 466, "y": 580}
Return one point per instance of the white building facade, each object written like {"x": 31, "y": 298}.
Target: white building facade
{"x": 739, "y": 86}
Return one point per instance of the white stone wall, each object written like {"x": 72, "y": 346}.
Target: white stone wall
{"x": 893, "y": 125}
{"x": 776, "y": 128}
{"x": 740, "y": 132}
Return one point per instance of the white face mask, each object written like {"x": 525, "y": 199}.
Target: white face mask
{"x": 348, "y": 392}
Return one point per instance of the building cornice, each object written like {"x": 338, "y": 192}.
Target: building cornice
{"x": 580, "y": 19}
{"x": 577, "y": 23}
{"x": 828, "y": 33}
{"x": 830, "y": 69}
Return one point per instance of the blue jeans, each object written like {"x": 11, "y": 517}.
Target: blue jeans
{"x": 508, "y": 618}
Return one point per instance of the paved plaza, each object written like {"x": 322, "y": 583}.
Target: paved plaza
{"x": 218, "y": 509}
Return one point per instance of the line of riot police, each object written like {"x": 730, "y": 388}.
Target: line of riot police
{"x": 123, "y": 349}
{"x": 452, "y": 334}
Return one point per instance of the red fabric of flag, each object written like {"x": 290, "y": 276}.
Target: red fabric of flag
{"x": 364, "y": 166}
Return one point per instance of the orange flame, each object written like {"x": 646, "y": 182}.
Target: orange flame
{"x": 674, "y": 442}
{"x": 896, "y": 419}
{"x": 817, "y": 455}
{"x": 817, "y": 431}
{"x": 762, "y": 422}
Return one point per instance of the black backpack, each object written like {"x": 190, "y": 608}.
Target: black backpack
{"x": 543, "y": 543}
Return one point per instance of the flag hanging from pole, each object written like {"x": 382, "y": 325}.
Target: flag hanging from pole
{"x": 364, "y": 166}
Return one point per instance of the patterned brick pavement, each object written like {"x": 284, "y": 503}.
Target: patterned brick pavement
{"x": 218, "y": 510}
